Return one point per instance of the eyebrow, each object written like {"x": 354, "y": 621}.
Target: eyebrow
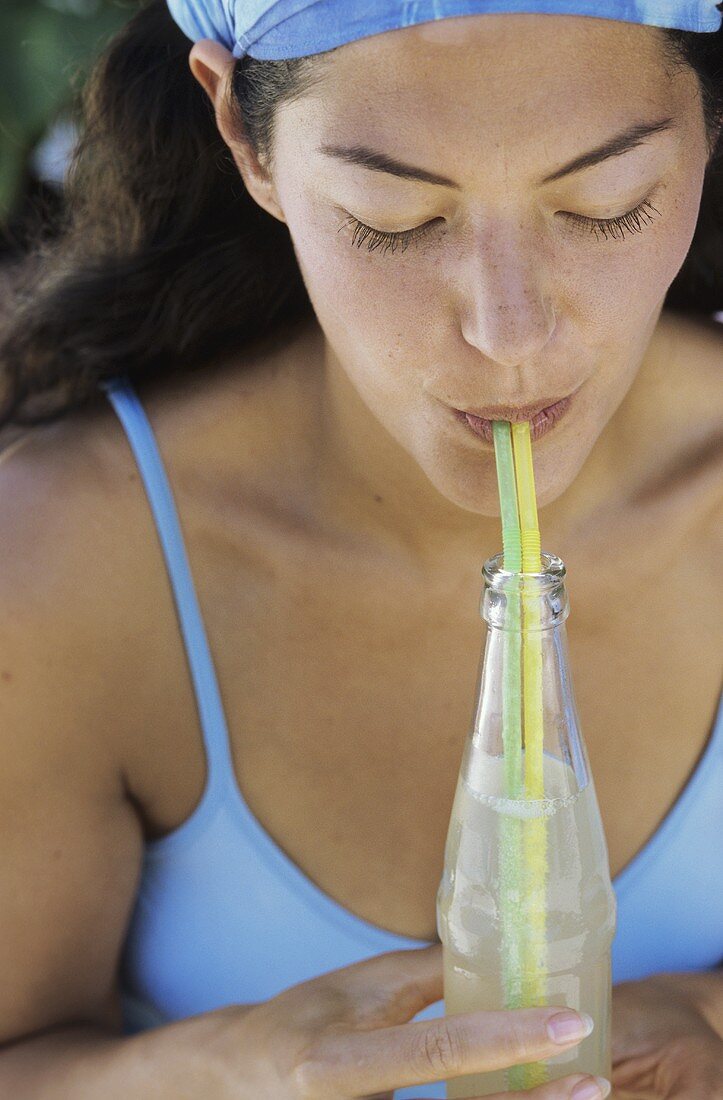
{"x": 614, "y": 147}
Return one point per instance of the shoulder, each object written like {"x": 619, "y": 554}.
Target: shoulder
{"x": 51, "y": 488}
{"x": 64, "y": 491}
{"x": 66, "y": 573}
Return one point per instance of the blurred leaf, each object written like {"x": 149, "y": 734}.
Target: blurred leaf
{"x": 46, "y": 49}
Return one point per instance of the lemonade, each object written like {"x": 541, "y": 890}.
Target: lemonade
{"x": 579, "y": 903}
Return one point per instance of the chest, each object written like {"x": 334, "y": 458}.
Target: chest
{"x": 348, "y": 693}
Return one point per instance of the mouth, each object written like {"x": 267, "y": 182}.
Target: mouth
{"x": 542, "y": 416}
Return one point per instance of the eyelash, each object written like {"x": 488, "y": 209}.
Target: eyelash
{"x": 631, "y": 221}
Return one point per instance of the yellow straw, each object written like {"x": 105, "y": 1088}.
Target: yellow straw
{"x": 526, "y": 499}
{"x": 535, "y": 836}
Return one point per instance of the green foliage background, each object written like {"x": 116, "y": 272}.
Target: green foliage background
{"x": 46, "y": 49}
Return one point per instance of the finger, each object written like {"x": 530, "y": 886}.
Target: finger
{"x": 359, "y": 1063}
{"x": 392, "y": 987}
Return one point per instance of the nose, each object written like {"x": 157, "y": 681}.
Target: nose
{"x": 507, "y": 312}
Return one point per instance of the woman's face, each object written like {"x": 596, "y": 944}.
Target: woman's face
{"x": 510, "y": 297}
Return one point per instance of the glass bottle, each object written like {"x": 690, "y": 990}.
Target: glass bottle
{"x": 526, "y": 911}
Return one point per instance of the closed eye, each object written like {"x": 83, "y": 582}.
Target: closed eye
{"x": 390, "y": 241}
{"x": 634, "y": 221}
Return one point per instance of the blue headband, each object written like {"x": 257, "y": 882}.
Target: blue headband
{"x": 277, "y": 29}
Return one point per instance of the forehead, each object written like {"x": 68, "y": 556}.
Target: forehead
{"x": 512, "y": 47}
{"x": 516, "y": 74}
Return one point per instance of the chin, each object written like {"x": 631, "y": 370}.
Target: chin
{"x": 550, "y": 489}
{"x": 480, "y": 500}
{"x": 484, "y": 500}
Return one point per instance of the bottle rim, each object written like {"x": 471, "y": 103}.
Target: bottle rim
{"x": 551, "y": 576}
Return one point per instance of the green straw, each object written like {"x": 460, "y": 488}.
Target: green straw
{"x": 504, "y": 459}
{"x": 510, "y": 855}
{"x": 512, "y": 559}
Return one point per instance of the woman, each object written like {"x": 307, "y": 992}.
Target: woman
{"x": 299, "y": 373}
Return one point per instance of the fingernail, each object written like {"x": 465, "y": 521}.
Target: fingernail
{"x": 592, "y": 1090}
{"x": 566, "y": 1027}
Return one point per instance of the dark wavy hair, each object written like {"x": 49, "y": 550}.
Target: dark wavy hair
{"x": 162, "y": 260}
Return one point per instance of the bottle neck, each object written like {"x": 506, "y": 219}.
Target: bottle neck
{"x": 525, "y": 741}
{"x": 524, "y": 601}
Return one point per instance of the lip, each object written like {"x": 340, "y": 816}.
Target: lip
{"x": 541, "y": 417}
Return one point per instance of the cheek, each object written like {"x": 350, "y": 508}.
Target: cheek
{"x": 369, "y": 295}
{"x": 627, "y": 278}
{"x": 677, "y": 228}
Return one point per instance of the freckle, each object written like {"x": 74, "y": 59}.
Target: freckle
{"x": 378, "y": 498}
{"x": 57, "y": 853}
{"x": 7, "y": 676}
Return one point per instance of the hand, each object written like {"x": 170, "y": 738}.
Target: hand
{"x": 663, "y": 1047}
{"x": 347, "y": 1035}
